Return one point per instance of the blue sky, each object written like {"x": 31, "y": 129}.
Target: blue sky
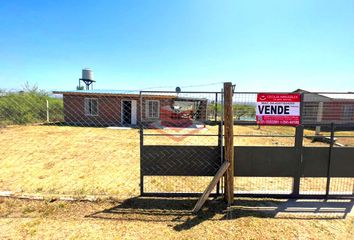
{"x": 259, "y": 45}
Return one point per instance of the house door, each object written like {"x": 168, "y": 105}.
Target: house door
{"x": 129, "y": 112}
{"x": 134, "y": 110}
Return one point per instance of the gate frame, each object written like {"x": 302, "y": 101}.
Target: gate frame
{"x": 298, "y": 146}
{"x": 219, "y": 141}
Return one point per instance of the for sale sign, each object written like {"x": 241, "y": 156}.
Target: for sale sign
{"x": 278, "y": 109}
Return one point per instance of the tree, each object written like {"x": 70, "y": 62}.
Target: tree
{"x": 211, "y": 108}
{"x": 241, "y": 110}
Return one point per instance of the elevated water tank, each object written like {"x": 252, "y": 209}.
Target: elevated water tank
{"x": 87, "y": 78}
{"x": 87, "y": 74}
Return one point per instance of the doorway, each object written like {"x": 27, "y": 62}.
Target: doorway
{"x": 128, "y": 113}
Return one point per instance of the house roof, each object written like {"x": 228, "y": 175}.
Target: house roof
{"x": 340, "y": 96}
{"x": 330, "y": 95}
{"x": 124, "y": 93}
{"x": 97, "y": 91}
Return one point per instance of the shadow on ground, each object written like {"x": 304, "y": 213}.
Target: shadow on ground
{"x": 177, "y": 212}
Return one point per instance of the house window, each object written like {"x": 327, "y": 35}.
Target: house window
{"x": 152, "y": 109}
{"x": 348, "y": 112}
{"x": 91, "y": 106}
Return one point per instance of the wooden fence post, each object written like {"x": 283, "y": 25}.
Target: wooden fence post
{"x": 229, "y": 142}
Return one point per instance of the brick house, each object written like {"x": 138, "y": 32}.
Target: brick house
{"x": 327, "y": 108}
{"x": 114, "y": 108}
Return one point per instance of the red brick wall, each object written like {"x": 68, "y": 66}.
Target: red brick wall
{"x": 334, "y": 111}
{"x": 109, "y": 109}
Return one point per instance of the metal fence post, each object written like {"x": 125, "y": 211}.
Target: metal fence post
{"x": 229, "y": 142}
{"x": 141, "y": 135}
{"x": 299, "y": 134}
{"x": 221, "y": 155}
{"x": 329, "y": 160}
{"x": 47, "y": 110}
{"x": 216, "y": 108}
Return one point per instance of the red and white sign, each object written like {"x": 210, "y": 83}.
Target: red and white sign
{"x": 278, "y": 109}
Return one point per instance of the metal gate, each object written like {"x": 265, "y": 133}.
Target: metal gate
{"x": 180, "y": 141}
{"x": 314, "y": 159}
{"x": 181, "y": 146}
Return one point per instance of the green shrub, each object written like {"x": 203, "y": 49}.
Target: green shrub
{"x": 29, "y": 106}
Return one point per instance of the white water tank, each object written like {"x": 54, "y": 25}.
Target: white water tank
{"x": 87, "y": 74}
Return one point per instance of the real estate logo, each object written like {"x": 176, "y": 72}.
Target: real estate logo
{"x": 177, "y": 122}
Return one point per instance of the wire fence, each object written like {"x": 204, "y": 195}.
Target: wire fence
{"x": 181, "y": 141}
{"x": 88, "y": 142}
{"x": 318, "y": 112}
{"x": 91, "y": 142}
{"x": 71, "y": 143}
{"x": 327, "y": 117}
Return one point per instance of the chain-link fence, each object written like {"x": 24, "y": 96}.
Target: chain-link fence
{"x": 87, "y": 142}
{"x": 328, "y": 121}
{"x": 181, "y": 141}
{"x": 69, "y": 143}
{"x": 91, "y": 142}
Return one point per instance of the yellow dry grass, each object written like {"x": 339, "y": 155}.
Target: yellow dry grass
{"x": 144, "y": 218}
{"x": 94, "y": 161}
{"x": 69, "y": 160}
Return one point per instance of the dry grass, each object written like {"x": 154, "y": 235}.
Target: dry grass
{"x": 144, "y": 218}
{"x": 85, "y": 161}
{"x": 94, "y": 161}
{"x": 69, "y": 160}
